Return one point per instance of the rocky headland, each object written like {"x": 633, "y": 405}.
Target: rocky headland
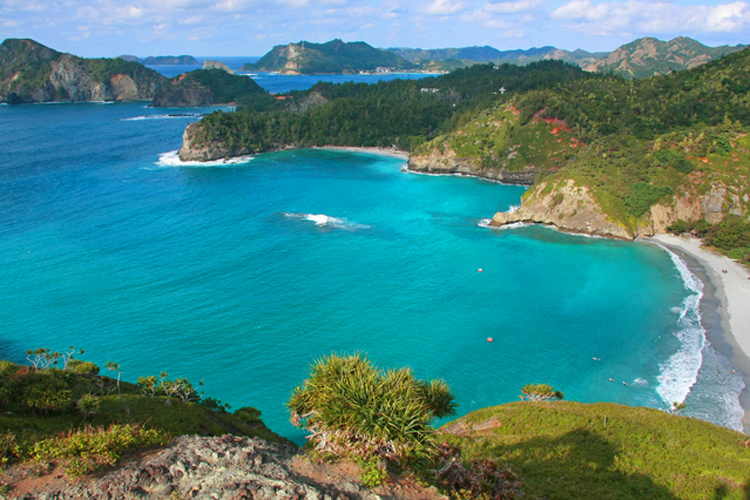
{"x": 31, "y": 72}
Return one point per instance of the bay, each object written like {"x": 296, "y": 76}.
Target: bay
{"x": 242, "y": 274}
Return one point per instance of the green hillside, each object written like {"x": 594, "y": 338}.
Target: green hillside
{"x": 206, "y": 87}
{"x": 566, "y": 450}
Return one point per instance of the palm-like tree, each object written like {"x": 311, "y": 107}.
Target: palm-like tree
{"x": 352, "y": 408}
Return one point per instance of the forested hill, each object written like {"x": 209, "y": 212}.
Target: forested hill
{"x": 662, "y": 152}
{"x": 335, "y": 56}
{"x": 31, "y": 72}
{"x": 207, "y": 87}
{"x": 403, "y": 113}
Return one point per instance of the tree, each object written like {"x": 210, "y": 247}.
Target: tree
{"x": 111, "y": 365}
{"x": 353, "y": 409}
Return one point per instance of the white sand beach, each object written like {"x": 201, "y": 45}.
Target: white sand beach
{"x": 732, "y": 282}
{"x": 396, "y": 153}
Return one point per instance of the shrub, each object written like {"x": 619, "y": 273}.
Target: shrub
{"x": 84, "y": 451}
{"x": 83, "y": 367}
{"x": 353, "y": 409}
{"x": 540, "y": 392}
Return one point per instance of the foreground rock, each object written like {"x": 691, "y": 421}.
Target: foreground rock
{"x": 226, "y": 467}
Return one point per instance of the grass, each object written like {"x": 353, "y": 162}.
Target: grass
{"x": 566, "y": 450}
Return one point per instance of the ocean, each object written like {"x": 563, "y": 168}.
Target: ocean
{"x": 242, "y": 273}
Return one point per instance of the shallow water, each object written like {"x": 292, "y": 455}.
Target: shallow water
{"x": 242, "y": 273}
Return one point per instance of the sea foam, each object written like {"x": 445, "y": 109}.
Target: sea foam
{"x": 680, "y": 372}
{"x": 322, "y": 220}
{"x": 170, "y": 159}
{"x": 161, "y": 117}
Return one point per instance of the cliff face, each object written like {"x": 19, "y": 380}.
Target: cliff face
{"x": 31, "y": 72}
{"x": 572, "y": 207}
{"x": 568, "y": 207}
{"x": 194, "y": 150}
{"x": 438, "y": 163}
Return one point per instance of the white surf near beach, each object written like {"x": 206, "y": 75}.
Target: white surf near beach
{"x": 170, "y": 159}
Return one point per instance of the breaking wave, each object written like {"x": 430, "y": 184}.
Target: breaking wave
{"x": 322, "y": 220}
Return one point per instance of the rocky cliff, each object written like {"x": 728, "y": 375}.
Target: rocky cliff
{"x": 571, "y": 206}
{"x": 31, "y": 72}
{"x": 439, "y": 163}
{"x": 208, "y": 64}
{"x": 197, "y": 149}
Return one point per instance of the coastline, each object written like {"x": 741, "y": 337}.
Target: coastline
{"x": 392, "y": 152}
{"x": 729, "y": 329}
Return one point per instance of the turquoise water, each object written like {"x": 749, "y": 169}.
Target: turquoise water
{"x": 243, "y": 273}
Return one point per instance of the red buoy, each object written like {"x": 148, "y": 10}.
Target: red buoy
{"x": 490, "y": 339}
{"x": 480, "y": 269}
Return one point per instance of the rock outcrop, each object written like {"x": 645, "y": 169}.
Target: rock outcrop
{"x": 223, "y": 468}
{"x": 193, "y": 150}
{"x": 571, "y": 207}
{"x": 568, "y": 207}
{"x": 208, "y": 64}
{"x": 437, "y": 163}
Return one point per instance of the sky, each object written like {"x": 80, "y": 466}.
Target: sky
{"x": 107, "y": 28}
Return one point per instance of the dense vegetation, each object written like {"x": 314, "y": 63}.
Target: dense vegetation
{"x": 206, "y": 87}
{"x": 58, "y": 409}
{"x": 566, "y": 450}
{"x": 392, "y": 113}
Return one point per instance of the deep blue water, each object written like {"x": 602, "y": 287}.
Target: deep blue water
{"x": 276, "y": 83}
{"x": 243, "y": 273}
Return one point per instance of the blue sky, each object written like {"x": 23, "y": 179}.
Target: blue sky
{"x": 96, "y": 28}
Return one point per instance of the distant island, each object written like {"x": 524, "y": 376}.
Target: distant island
{"x": 162, "y": 60}
{"x": 31, "y": 72}
{"x": 334, "y": 57}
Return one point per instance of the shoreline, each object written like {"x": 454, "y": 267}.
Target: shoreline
{"x": 391, "y": 152}
{"x": 725, "y": 314}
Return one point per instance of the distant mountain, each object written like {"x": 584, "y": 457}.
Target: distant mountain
{"x": 469, "y": 55}
{"x": 648, "y": 56}
{"x": 209, "y": 64}
{"x": 31, "y": 72}
{"x": 162, "y": 60}
{"x": 335, "y": 56}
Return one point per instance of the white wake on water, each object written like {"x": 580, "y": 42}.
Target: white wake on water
{"x": 161, "y": 117}
{"x": 322, "y": 220}
{"x": 170, "y": 159}
{"x": 680, "y": 372}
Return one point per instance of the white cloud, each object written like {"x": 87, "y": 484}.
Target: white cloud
{"x": 513, "y": 7}
{"x": 443, "y": 7}
{"x": 637, "y": 16}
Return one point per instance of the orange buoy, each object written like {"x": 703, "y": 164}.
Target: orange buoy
{"x": 490, "y": 339}
{"x": 480, "y": 269}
